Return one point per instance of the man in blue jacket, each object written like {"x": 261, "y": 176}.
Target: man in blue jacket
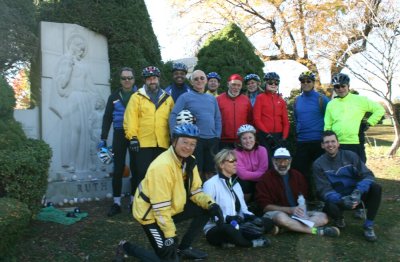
{"x": 344, "y": 183}
{"x": 178, "y": 87}
{"x": 309, "y": 110}
{"x": 114, "y": 114}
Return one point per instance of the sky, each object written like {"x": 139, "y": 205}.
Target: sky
{"x": 175, "y": 43}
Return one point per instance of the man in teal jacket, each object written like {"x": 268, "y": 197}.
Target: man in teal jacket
{"x": 344, "y": 114}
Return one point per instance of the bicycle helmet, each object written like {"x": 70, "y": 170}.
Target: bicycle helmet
{"x": 340, "y": 79}
{"x": 151, "y": 71}
{"x": 272, "y": 76}
{"x": 307, "y": 74}
{"x": 185, "y": 116}
{"x": 251, "y": 231}
{"x": 245, "y": 128}
{"x": 249, "y": 77}
{"x": 105, "y": 155}
{"x": 213, "y": 75}
{"x": 186, "y": 130}
{"x": 179, "y": 67}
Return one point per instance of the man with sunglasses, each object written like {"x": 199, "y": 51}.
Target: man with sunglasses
{"x": 345, "y": 113}
{"x": 114, "y": 114}
{"x": 178, "y": 87}
{"x": 270, "y": 115}
{"x": 309, "y": 110}
{"x": 276, "y": 194}
{"x": 204, "y": 108}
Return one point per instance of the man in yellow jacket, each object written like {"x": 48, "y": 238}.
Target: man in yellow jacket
{"x": 344, "y": 115}
{"x": 146, "y": 123}
{"x": 172, "y": 192}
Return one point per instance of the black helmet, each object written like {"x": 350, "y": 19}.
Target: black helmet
{"x": 151, "y": 71}
{"x": 251, "y": 231}
{"x": 179, "y": 67}
{"x": 340, "y": 79}
{"x": 272, "y": 76}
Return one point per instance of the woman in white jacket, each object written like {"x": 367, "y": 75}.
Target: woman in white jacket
{"x": 241, "y": 227}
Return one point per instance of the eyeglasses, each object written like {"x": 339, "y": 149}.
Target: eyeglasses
{"x": 126, "y": 78}
{"x": 199, "y": 78}
{"x": 233, "y": 160}
{"x": 339, "y": 86}
{"x": 273, "y": 83}
{"x": 282, "y": 160}
{"x": 305, "y": 81}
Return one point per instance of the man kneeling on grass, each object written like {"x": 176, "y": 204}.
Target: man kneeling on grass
{"x": 343, "y": 182}
{"x": 277, "y": 192}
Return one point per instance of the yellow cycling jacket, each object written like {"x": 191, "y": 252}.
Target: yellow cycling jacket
{"x": 162, "y": 194}
{"x": 344, "y": 116}
{"x": 146, "y": 122}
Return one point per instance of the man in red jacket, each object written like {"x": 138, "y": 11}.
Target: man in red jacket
{"x": 270, "y": 116}
{"x": 235, "y": 110}
{"x": 276, "y": 194}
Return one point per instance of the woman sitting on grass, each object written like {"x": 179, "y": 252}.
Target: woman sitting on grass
{"x": 241, "y": 227}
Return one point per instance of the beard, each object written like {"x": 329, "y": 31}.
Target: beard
{"x": 281, "y": 171}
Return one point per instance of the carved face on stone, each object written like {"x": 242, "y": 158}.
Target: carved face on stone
{"x": 77, "y": 47}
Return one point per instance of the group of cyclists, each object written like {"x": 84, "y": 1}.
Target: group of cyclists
{"x": 235, "y": 143}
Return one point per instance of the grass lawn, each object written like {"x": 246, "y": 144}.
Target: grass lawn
{"x": 95, "y": 238}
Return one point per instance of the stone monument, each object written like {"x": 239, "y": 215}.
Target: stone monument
{"x": 75, "y": 88}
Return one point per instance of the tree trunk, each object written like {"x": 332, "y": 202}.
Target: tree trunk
{"x": 396, "y": 142}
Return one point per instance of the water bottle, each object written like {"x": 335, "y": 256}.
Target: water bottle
{"x": 301, "y": 201}
{"x": 235, "y": 224}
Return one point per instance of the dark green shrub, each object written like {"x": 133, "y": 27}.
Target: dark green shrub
{"x": 23, "y": 172}
{"x": 229, "y": 52}
{"x": 24, "y": 162}
{"x": 7, "y": 99}
{"x": 14, "y": 219}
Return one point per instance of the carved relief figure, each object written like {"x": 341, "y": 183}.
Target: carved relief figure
{"x": 73, "y": 105}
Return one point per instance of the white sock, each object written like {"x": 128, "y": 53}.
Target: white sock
{"x": 117, "y": 200}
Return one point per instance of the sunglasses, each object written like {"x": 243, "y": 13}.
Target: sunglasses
{"x": 305, "y": 81}
{"x": 199, "y": 78}
{"x": 231, "y": 160}
{"x": 273, "y": 83}
{"x": 339, "y": 86}
{"x": 126, "y": 78}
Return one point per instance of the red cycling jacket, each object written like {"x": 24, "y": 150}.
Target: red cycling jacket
{"x": 270, "y": 114}
{"x": 234, "y": 113}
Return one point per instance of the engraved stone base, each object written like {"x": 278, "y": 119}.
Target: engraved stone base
{"x": 79, "y": 191}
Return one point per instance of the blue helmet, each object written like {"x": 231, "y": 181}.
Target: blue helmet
{"x": 213, "y": 75}
{"x": 179, "y": 67}
{"x": 272, "y": 76}
{"x": 151, "y": 71}
{"x": 249, "y": 77}
{"x": 340, "y": 79}
{"x": 186, "y": 130}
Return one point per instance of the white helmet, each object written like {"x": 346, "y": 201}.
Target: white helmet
{"x": 105, "y": 155}
{"x": 246, "y": 128}
{"x": 185, "y": 116}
